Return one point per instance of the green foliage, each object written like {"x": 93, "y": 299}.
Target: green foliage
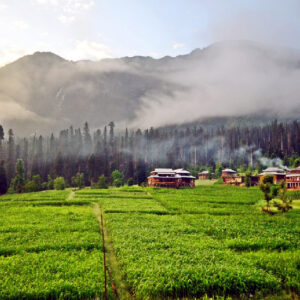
{"x": 201, "y": 241}
{"x": 248, "y": 178}
{"x": 50, "y": 183}
{"x": 117, "y": 178}
{"x": 78, "y": 180}
{"x": 49, "y": 252}
{"x": 265, "y": 186}
{"x": 18, "y": 183}
{"x": 34, "y": 185}
{"x": 130, "y": 181}
{"x": 59, "y": 183}
{"x": 3, "y": 179}
{"x": 101, "y": 183}
{"x": 218, "y": 170}
{"x": 285, "y": 204}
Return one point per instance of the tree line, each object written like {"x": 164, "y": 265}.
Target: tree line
{"x": 134, "y": 153}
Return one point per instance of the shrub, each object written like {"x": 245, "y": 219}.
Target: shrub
{"x": 50, "y": 183}
{"x": 117, "y": 178}
{"x": 102, "y": 182}
{"x": 78, "y": 180}
{"x": 59, "y": 183}
{"x": 130, "y": 181}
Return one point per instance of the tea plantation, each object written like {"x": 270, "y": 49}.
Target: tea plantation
{"x": 190, "y": 243}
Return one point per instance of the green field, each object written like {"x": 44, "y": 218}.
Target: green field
{"x": 162, "y": 243}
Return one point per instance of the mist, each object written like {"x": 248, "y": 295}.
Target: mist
{"x": 44, "y": 93}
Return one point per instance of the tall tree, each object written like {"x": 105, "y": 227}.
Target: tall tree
{"x": 3, "y": 180}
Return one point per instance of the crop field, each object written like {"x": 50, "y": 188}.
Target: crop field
{"x": 161, "y": 243}
{"x": 49, "y": 251}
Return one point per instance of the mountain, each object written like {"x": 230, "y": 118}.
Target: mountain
{"x": 44, "y": 92}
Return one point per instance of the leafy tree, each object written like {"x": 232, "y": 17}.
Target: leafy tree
{"x": 59, "y": 183}
{"x": 265, "y": 187}
{"x": 296, "y": 162}
{"x": 117, "y": 178}
{"x": 50, "y": 183}
{"x": 34, "y": 185}
{"x": 18, "y": 183}
{"x": 102, "y": 182}
{"x": 3, "y": 180}
{"x": 78, "y": 180}
{"x": 218, "y": 170}
{"x": 248, "y": 179}
{"x": 285, "y": 204}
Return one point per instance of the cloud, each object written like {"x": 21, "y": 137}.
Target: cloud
{"x": 19, "y": 25}
{"x": 177, "y": 45}
{"x": 2, "y": 7}
{"x": 89, "y": 50}
{"x": 224, "y": 80}
{"x": 66, "y": 19}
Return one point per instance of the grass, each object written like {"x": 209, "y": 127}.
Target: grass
{"x": 211, "y": 241}
{"x": 49, "y": 250}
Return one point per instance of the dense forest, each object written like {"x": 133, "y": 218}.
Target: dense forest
{"x": 135, "y": 152}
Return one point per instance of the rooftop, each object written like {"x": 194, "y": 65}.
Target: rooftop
{"x": 273, "y": 170}
{"x": 229, "y": 171}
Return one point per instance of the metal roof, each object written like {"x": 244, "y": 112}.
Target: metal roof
{"x": 229, "y": 170}
{"x": 273, "y": 169}
{"x": 162, "y": 170}
{"x": 203, "y": 172}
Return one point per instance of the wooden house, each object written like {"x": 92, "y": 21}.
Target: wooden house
{"x": 277, "y": 173}
{"x": 293, "y": 179}
{"x": 228, "y": 173}
{"x": 204, "y": 175}
{"x": 230, "y": 177}
{"x": 171, "y": 178}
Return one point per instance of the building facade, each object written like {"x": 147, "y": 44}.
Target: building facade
{"x": 170, "y": 178}
{"x": 293, "y": 179}
{"x": 277, "y": 173}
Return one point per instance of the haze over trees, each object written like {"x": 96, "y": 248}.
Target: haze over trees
{"x": 135, "y": 153}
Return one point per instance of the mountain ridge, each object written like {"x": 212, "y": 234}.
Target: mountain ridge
{"x": 44, "y": 92}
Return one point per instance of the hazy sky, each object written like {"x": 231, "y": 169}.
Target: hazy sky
{"x": 95, "y": 29}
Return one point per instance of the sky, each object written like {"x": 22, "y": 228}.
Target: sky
{"x": 96, "y": 29}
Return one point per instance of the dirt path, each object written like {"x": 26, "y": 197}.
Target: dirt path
{"x": 71, "y": 196}
{"x": 112, "y": 261}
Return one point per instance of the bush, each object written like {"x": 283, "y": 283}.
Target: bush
{"x": 118, "y": 182}
{"x": 35, "y": 185}
{"x": 50, "y": 183}
{"x": 117, "y": 178}
{"x": 59, "y": 183}
{"x": 78, "y": 180}
{"x": 130, "y": 181}
{"x": 102, "y": 182}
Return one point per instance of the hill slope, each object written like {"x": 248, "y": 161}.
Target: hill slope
{"x": 44, "y": 92}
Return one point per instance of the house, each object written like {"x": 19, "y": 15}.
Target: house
{"x": 293, "y": 179}
{"x": 171, "y": 178}
{"x": 228, "y": 173}
{"x": 277, "y": 173}
{"x": 204, "y": 175}
{"x": 230, "y": 177}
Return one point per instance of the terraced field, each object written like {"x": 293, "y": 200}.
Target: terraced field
{"x": 211, "y": 240}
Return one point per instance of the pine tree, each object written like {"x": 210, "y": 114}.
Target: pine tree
{"x": 19, "y": 181}
{"x": 3, "y": 180}
{"x": 11, "y": 156}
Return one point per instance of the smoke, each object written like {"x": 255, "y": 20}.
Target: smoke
{"x": 269, "y": 162}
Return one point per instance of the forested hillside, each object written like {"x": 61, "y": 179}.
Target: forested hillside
{"x": 135, "y": 153}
